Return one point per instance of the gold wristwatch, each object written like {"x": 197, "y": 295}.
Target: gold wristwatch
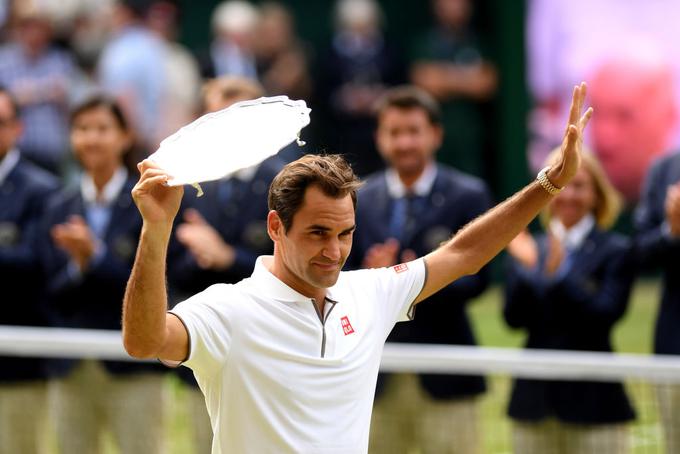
{"x": 545, "y": 182}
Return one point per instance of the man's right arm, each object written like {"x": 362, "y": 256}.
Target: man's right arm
{"x": 148, "y": 330}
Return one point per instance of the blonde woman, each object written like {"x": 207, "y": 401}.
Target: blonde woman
{"x": 567, "y": 288}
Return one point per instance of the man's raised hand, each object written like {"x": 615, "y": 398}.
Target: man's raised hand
{"x": 570, "y": 158}
{"x": 157, "y": 202}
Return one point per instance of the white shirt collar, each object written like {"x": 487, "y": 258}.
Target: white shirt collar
{"x": 274, "y": 288}
{"x": 111, "y": 189}
{"x": 8, "y": 163}
{"x": 421, "y": 187}
{"x": 574, "y": 237}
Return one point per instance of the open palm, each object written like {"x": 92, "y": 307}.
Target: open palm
{"x": 570, "y": 157}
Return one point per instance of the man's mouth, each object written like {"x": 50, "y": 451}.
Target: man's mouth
{"x": 326, "y": 266}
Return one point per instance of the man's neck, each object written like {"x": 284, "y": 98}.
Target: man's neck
{"x": 408, "y": 179}
{"x": 285, "y": 275}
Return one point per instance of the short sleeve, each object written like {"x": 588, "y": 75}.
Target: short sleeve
{"x": 397, "y": 288}
{"x": 207, "y": 319}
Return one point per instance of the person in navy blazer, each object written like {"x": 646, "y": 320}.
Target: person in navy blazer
{"x": 92, "y": 232}
{"x": 405, "y": 212}
{"x": 220, "y": 234}
{"x": 23, "y": 191}
{"x": 568, "y": 288}
{"x": 657, "y": 221}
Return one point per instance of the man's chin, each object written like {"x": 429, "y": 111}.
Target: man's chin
{"x": 326, "y": 281}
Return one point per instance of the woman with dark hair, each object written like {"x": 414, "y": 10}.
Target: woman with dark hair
{"x": 568, "y": 288}
{"x": 92, "y": 231}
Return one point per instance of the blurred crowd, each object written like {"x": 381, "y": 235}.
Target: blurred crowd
{"x": 89, "y": 88}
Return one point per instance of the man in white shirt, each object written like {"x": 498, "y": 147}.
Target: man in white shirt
{"x": 288, "y": 358}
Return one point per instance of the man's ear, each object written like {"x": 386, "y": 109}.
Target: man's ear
{"x": 274, "y": 226}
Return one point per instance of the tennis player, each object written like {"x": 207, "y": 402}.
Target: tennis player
{"x": 287, "y": 359}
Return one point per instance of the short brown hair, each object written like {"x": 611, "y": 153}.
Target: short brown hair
{"x": 409, "y": 97}
{"x": 331, "y": 173}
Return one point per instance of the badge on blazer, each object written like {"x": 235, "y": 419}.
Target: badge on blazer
{"x": 124, "y": 248}
{"x": 438, "y": 199}
{"x": 255, "y": 235}
{"x": 435, "y": 236}
{"x": 9, "y": 234}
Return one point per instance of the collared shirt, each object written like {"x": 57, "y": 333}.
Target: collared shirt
{"x": 8, "y": 163}
{"x": 277, "y": 375}
{"x": 98, "y": 206}
{"x": 132, "y": 65}
{"x": 572, "y": 239}
{"x": 421, "y": 187}
{"x": 45, "y": 125}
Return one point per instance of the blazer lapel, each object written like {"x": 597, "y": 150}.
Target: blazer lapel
{"x": 585, "y": 258}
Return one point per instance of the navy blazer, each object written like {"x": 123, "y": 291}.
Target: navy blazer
{"x": 95, "y": 299}
{"x": 22, "y": 201}
{"x": 238, "y": 211}
{"x": 454, "y": 200}
{"x": 656, "y": 249}
{"x": 575, "y": 310}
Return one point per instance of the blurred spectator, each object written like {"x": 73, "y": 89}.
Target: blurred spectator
{"x": 565, "y": 46}
{"x": 183, "y": 80}
{"x": 23, "y": 191}
{"x": 91, "y": 233}
{"x": 231, "y": 50}
{"x": 40, "y": 77}
{"x": 567, "y": 288}
{"x": 88, "y": 30}
{"x": 357, "y": 69}
{"x": 4, "y": 15}
{"x": 657, "y": 221}
{"x": 451, "y": 64}
{"x": 220, "y": 234}
{"x": 406, "y": 212}
{"x": 635, "y": 116}
{"x": 132, "y": 69}
{"x": 222, "y": 92}
{"x": 280, "y": 57}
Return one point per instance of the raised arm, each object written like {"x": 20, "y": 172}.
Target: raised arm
{"x": 148, "y": 330}
{"x": 478, "y": 242}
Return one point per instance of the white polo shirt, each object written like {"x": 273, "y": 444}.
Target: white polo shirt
{"x": 278, "y": 376}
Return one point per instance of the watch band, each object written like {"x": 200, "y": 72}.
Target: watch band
{"x": 545, "y": 182}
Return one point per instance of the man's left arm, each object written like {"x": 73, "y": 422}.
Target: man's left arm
{"x": 481, "y": 240}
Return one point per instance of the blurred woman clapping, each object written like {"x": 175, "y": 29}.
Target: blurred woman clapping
{"x": 567, "y": 288}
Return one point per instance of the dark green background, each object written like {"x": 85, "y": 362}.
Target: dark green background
{"x": 500, "y": 22}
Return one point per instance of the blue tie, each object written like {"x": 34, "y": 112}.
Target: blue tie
{"x": 405, "y": 211}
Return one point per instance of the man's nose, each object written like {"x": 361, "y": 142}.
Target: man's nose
{"x": 332, "y": 250}
{"x": 404, "y": 142}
